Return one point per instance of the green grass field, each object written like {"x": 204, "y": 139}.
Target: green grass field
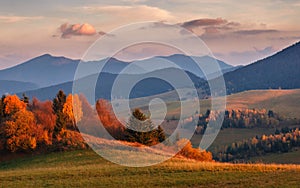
{"x": 86, "y": 169}
{"x": 282, "y": 158}
{"x": 230, "y": 135}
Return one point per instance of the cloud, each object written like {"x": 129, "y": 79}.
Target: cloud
{"x": 256, "y": 31}
{"x": 210, "y": 27}
{"x": 101, "y": 33}
{"x": 286, "y": 38}
{"x": 14, "y": 19}
{"x": 203, "y": 22}
{"x": 131, "y": 12}
{"x": 69, "y": 30}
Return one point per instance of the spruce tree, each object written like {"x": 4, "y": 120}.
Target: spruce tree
{"x": 58, "y": 105}
{"x": 141, "y": 129}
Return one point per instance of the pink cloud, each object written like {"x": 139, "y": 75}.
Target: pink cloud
{"x": 69, "y": 30}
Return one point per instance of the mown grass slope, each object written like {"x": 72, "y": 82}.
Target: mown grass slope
{"x": 86, "y": 169}
{"x": 279, "y": 158}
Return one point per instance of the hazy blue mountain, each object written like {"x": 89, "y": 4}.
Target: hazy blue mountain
{"x": 147, "y": 86}
{"x": 47, "y": 70}
{"x": 186, "y": 63}
{"x": 43, "y": 71}
{"x": 8, "y": 86}
{"x": 281, "y": 70}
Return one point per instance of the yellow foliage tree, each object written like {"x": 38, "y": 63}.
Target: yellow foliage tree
{"x": 13, "y": 104}
{"x": 73, "y": 108}
{"x": 20, "y": 132}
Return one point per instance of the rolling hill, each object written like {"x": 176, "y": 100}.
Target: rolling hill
{"x": 87, "y": 169}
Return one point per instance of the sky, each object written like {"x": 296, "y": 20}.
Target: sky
{"x": 237, "y": 32}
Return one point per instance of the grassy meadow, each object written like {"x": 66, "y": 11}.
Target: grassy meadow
{"x": 279, "y": 158}
{"x": 284, "y": 102}
{"x": 87, "y": 169}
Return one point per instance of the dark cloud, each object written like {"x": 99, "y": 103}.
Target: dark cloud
{"x": 203, "y": 22}
{"x": 233, "y": 24}
{"x": 102, "y": 33}
{"x": 210, "y": 27}
{"x": 69, "y": 30}
{"x": 284, "y": 38}
{"x": 256, "y": 31}
{"x": 212, "y": 30}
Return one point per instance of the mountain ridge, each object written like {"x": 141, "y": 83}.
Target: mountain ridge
{"x": 281, "y": 70}
{"x": 47, "y": 70}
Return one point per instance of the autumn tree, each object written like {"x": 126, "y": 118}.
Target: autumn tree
{"x": 13, "y": 104}
{"x": 87, "y": 109}
{"x": 193, "y": 153}
{"x": 73, "y": 111}
{"x": 109, "y": 120}
{"x": 19, "y": 132}
{"x": 45, "y": 119}
{"x": 9, "y": 105}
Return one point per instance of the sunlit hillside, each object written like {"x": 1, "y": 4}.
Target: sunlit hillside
{"x": 85, "y": 168}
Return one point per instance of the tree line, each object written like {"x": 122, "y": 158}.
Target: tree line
{"x": 34, "y": 125}
{"x": 240, "y": 118}
{"x": 284, "y": 140}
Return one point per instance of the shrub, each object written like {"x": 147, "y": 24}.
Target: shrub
{"x": 193, "y": 153}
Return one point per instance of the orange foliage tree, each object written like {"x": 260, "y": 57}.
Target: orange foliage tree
{"x": 108, "y": 119}
{"x": 193, "y": 153}
{"x": 13, "y": 104}
{"x": 20, "y": 132}
{"x": 45, "y": 118}
{"x": 73, "y": 110}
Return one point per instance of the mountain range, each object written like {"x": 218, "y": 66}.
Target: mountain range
{"x": 148, "y": 85}
{"x": 48, "y": 71}
{"x": 45, "y": 75}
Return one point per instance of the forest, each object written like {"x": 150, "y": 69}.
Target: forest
{"x": 244, "y": 118}
{"x": 50, "y": 126}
